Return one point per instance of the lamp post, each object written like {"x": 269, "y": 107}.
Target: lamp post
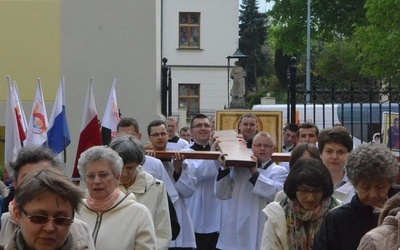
{"x": 308, "y": 66}
{"x": 236, "y": 55}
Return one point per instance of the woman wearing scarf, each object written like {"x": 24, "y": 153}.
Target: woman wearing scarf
{"x": 116, "y": 219}
{"x": 293, "y": 223}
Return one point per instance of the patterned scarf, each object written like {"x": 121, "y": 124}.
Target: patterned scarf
{"x": 302, "y": 225}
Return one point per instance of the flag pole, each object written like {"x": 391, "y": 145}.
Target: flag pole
{"x": 44, "y": 104}
{"x": 9, "y": 83}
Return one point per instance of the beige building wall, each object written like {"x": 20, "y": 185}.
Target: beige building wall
{"x": 30, "y": 46}
{"x": 82, "y": 39}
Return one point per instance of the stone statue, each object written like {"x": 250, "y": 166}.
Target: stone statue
{"x": 238, "y": 74}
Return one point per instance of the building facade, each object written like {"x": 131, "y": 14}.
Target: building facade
{"x": 197, "y": 38}
{"x": 103, "y": 39}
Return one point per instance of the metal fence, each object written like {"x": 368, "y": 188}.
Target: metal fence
{"x": 366, "y": 108}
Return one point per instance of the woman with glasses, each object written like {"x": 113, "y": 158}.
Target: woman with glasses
{"x": 32, "y": 158}
{"x": 301, "y": 151}
{"x": 294, "y": 222}
{"x": 116, "y": 219}
{"x": 45, "y": 204}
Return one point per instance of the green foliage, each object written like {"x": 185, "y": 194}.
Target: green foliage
{"x": 351, "y": 39}
{"x": 267, "y": 85}
{"x": 379, "y": 40}
{"x": 333, "y": 24}
{"x": 2, "y": 172}
{"x": 329, "y": 19}
{"x": 337, "y": 60}
{"x": 252, "y": 31}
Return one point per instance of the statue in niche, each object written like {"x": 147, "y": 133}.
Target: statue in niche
{"x": 238, "y": 75}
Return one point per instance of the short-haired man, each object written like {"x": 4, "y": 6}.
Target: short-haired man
{"x": 34, "y": 158}
{"x": 204, "y": 207}
{"x": 249, "y": 191}
{"x": 185, "y": 134}
{"x": 248, "y": 127}
{"x": 183, "y": 180}
{"x": 148, "y": 190}
{"x": 308, "y": 133}
{"x": 174, "y": 142}
{"x": 289, "y": 136}
{"x": 153, "y": 166}
{"x": 289, "y": 141}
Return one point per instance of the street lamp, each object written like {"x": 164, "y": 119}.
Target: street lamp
{"x": 308, "y": 66}
{"x": 236, "y": 55}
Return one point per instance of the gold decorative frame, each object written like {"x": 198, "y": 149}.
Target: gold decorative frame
{"x": 268, "y": 121}
{"x": 385, "y": 127}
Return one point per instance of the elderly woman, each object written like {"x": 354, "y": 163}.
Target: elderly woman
{"x": 45, "y": 204}
{"x": 372, "y": 169}
{"x": 116, "y": 219}
{"x": 293, "y": 223}
{"x": 148, "y": 190}
{"x": 386, "y": 235}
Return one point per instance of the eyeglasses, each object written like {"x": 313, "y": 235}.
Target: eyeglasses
{"x": 162, "y": 134}
{"x": 101, "y": 175}
{"x": 201, "y": 125}
{"x": 304, "y": 192}
{"x": 43, "y": 219}
{"x": 263, "y": 145}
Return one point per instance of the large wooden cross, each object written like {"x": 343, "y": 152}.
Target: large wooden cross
{"x": 237, "y": 154}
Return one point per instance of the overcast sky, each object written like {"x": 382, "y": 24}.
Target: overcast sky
{"x": 262, "y": 5}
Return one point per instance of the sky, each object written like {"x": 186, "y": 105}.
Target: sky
{"x": 262, "y": 5}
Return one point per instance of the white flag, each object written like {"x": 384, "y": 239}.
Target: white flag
{"x": 38, "y": 123}
{"x": 12, "y": 140}
{"x": 110, "y": 117}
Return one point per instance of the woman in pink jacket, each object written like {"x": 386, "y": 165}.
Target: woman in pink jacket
{"x": 387, "y": 235}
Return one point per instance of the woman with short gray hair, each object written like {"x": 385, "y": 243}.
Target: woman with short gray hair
{"x": 369, "y": 163}
{"x": 100, "y": 153}
{"x": 116, "y": 219}
{"x": 372, "y": 169}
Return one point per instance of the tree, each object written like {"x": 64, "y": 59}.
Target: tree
{"x": 378, "y": 40}
{"x": 337, "y": 60}
{"x": 330, "y": 21}
{"x": 253, "y": 34}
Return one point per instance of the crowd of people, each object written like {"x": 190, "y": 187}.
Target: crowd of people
{"x": 327, "y": 196}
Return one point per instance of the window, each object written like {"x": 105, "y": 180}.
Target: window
{"x": 189, "y": 97}
{"x": 189, "y": 30}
